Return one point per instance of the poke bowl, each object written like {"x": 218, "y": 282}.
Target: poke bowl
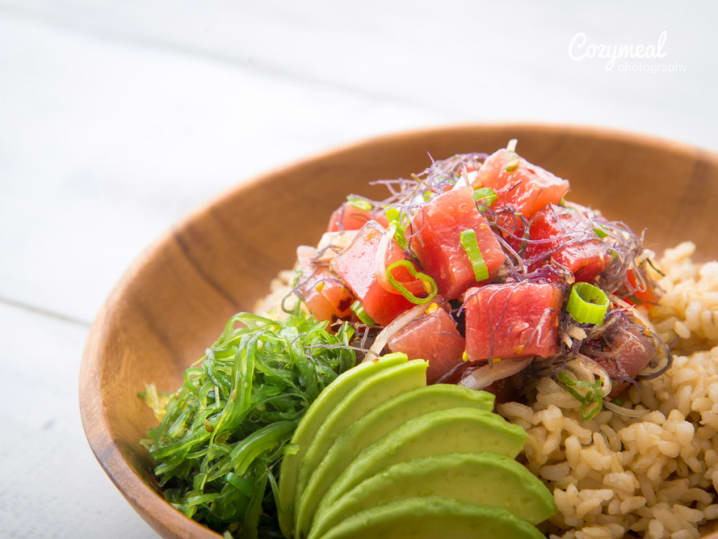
{"x": 177, "y": 297}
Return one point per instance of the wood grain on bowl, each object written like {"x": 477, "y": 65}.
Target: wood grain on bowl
{"x": 175, "y": 299}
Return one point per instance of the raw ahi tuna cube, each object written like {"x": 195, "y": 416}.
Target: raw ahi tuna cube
{"x": 432, "y": 337}
{"x": 626, "y": 349}
{"x": 512, "y": 320}
{"x": 527, "y": 187}
{"x": 349, "y": 217}
{"x": 584, "y": 254}
{"x": 357, "y": 266}
{"x": 436, "y": 240}
{"x": 324, "y": 294}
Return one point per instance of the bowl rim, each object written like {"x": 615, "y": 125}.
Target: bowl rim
{"x": 150, "y": 505}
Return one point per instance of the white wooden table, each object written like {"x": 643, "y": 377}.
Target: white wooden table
{"x": 116, "y": 118}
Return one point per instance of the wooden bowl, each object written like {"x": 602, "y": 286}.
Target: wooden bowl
{"x": 174, "y": 300}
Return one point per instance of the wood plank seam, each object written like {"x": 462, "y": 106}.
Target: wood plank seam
{"x": 44, "y": 312}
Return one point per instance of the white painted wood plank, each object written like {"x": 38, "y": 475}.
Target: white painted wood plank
{"x": 51, "y": 484}
{"x": 485, "y": 60}
{"x": 103, "y": 146}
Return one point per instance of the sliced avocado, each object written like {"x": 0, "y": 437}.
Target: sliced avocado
{"x": 431, "y": 518}
{"x": 366, "y": 396}
{"x": 482, "y": 478}
{"x": 310, "y": 423}
{"x": 458, "y": 430}
{"x": 384, "y": 419}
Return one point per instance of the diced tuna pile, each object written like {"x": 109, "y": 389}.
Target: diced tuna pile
{"x": 457, "y": 267}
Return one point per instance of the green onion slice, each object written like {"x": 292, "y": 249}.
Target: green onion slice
{"x": 359, "y": 203}
{"x": 429, "y": 283}
{"x": 394, "y": 216}
{"x": 600, "y": 231}
{"x": 587, "y": 304}
{"x": 471, "y": 246}
{"x": 362, "y": 315}
{"x": 591, "y": 401}
{"x": 514, "y": 162}
{"x": 485, "y": 195}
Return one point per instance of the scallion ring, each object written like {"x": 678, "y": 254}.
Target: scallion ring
{"x": 362, "y": 315}
{"x": 600, "y": 231}
{"x": 429, "y": 283}
{"x": 485, "y": 195}
{"x": 394, "y": 216}
{"x": 587, "y": 304}
{"x": 471, "y": 246}
{"x": 359, "y": 203}
{"x": 514, "y": 161}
